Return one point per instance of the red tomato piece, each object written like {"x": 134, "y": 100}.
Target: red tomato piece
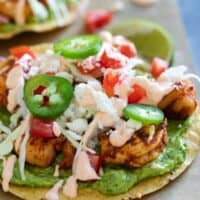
{"x": 109, "y": 82}
{"x": 95, "y": 161}
{"x": 19, "y": 51}
{"x": 96, "y": 19}
{"x": 127, "y": 50}
{"x": 95, "y": 70}
{"x": 108, "y": 62}
{"x": 136, "y": 94}
{"x": 158, "y": 66}
{"x": 41, "y": 128}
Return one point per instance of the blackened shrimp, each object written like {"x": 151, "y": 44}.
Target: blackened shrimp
{"x": 142, "y": 148}
{"x": 181, "y": 102}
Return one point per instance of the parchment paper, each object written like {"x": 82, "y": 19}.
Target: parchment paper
{"x": 165, "y": 12}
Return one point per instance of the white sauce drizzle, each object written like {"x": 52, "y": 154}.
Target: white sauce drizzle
{"x": 18, "y": 142}
{"x": 70, "y": 188}
{"x": 56, "y": 129}
{"x": 8, "y": 166}
{"x": 88, "y": 97}
{"x": 122, "y": 89}
{"x": 56, "y": 172}
{"x": 173, "y": 74}
{"x": 119, "y": 105}
{"x": 82, "y": 170}
{"x": 53, "y": 193}
{"x": 100, "y": 120}
{"x": 15, "y": 82}
{"x": 15, "y": 76}
{"x": 155, "y": 90}
{"x": 22, "y": 150}
{"x": 121, "y": 135}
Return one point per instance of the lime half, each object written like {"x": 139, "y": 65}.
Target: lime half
{"x": 150, "y": 39}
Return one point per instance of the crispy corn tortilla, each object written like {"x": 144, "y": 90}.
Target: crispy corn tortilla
{"x": 39, "y": 28}
{"x": 192, "y": 139}
{"x": 46, "y": 26}
{"x": 145, "y": 187}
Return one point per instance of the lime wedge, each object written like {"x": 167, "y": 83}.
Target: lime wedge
{"x": 150, "y": 39}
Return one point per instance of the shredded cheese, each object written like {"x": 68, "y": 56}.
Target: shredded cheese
{"x": 82, "y": 170}
{"x": 121, "y": 135}
{"x": 70, "y": 189}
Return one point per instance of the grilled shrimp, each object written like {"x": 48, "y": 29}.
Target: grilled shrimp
{"x": 5, "y": 66}
{"x": 139, "y": 150}
{"x": 42, "y": 151}
{"x": 180, "y": 103}
{"x": 69, "y": 153}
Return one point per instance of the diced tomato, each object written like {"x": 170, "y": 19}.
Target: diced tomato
{"x": 96, "y": 19}
{"x": 19, "y": 51}
{"x": 136, "y": 94}
{"x": 41, "y": 128}
{"x": 95, "y": 161}
{"x": 109, "y": 82}
{"x": 108, "y": 62}
{"x": 158, "y": 66}
{"x": 127, "y": 50}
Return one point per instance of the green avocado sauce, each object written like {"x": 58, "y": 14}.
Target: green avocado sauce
{"x": 116, "y": 179}
{"x": 8, "y": 27}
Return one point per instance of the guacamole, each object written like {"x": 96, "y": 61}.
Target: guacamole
{"x": 116, "y": 180}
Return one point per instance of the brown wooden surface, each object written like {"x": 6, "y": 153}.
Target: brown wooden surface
{"x": 165, "y": 12}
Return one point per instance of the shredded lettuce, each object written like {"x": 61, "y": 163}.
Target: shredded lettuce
{"x": 38, "y": 9}
{"x": 71, "y": 136}
{"x": 4, "y": 128}
{"x": 22, "y": 153}
{"x": 7, "y": 145}
{"x": 59, "y": 10}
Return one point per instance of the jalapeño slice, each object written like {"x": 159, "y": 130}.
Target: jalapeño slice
{"x": 144, "y": 113}
{"x": 47, "y": 97}
{"x": 79, "y": 47}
